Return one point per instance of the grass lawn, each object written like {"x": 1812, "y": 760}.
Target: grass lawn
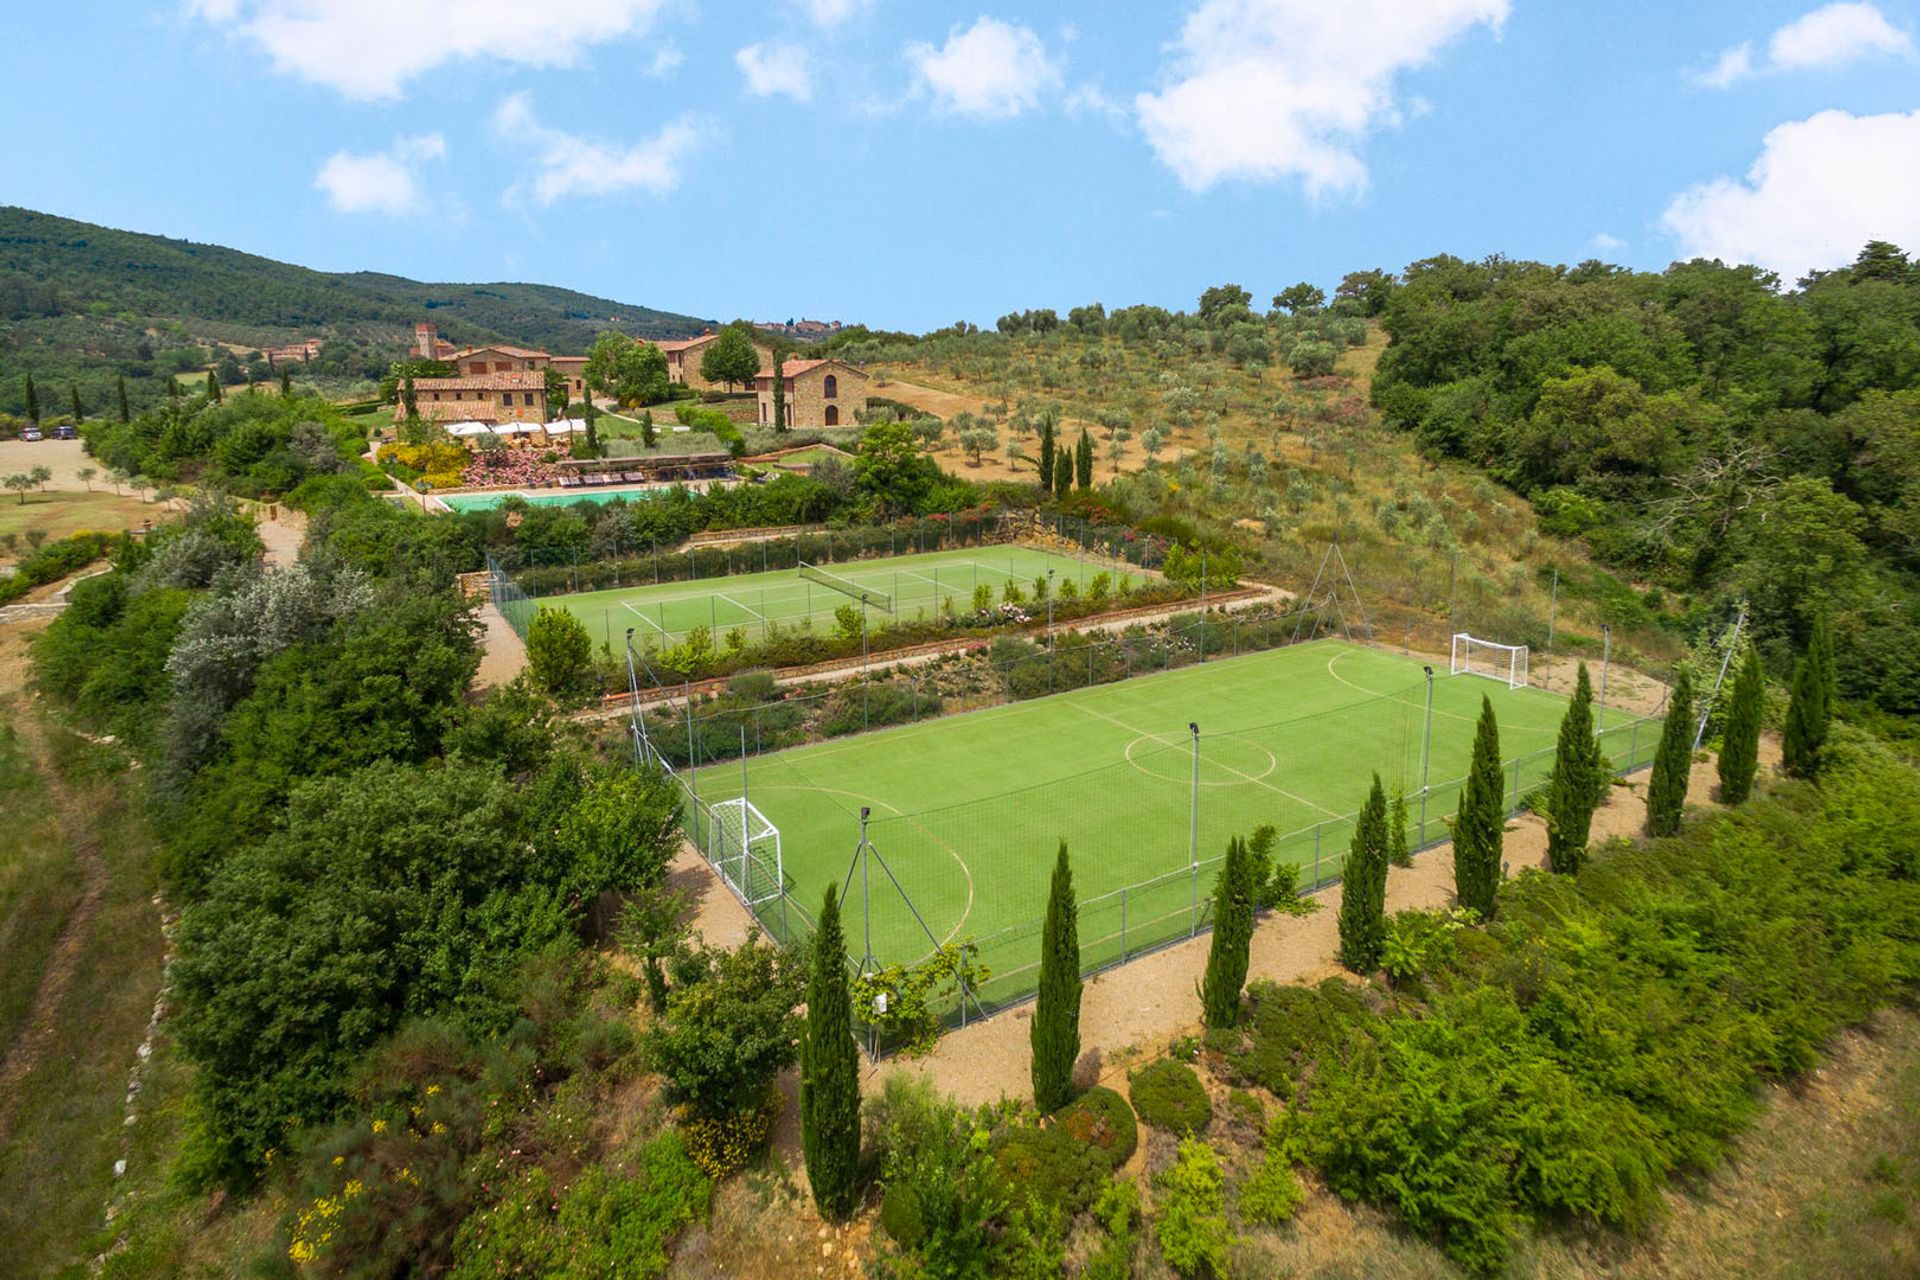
{"x": 751, "y": 601}
{"x": 59, "y": 513}
{"x": 967, "y": 811}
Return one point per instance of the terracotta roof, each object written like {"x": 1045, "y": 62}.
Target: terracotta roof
{"x": 681, "y": 344}
{"x": 519, "y": 380}
{"x": 795, "y": 368}
{"x": 569, "y": 362}
{"x": 519, "y": 353}
{"x": 453, "y": 411}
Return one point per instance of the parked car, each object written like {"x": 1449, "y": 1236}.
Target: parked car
{"x": 66, "y": 431}
{"x": 32, "y": 433}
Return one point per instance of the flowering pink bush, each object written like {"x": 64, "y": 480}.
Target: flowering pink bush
{"x": 507, "y": 467}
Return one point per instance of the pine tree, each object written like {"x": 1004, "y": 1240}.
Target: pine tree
{"x": 1672, "y": 761}
{"x": 1576, "y": 784}
{"x": 1046, "y": 458}
{"x": 1481, "y": 822}
{"x": 830, "y": 1074}
{"x": 1810, "y": 709}
{"x": 1055, "y": 1032}
{"x": 33, "y": 402}
{"x": 1229, "y": 955}
{"x": 213, "y": 387}
{"x": 1740, "y": 737}
{"x": 1363, "y": 886}
{"x": 1083, "y": 461}
{"x": 126, "y": 413}
{"x": 1062, "y": 472}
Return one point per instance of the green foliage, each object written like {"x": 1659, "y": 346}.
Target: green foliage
{"x": 1672, "y": 760}
{"x": 1479, "y": 827}
{"x": 1191, "y": 1222}
{"x": 53, "y": 561}
{"x": 730, "y": 357}
{"x": 1363, "y": 886}
{"x": 830, "y": 1073}
{"x": 1612, "y": 1028}
{"x": 1272, "y": 1194}
{"x": 631, "y": 373}
{"x": 1168, "y": 1095}
{"x": 1118, "y": 1213}
{"x": 729, "y": 1028}
{"x": 1740, "y": 736}
{"x": 1101, "y": 1117}
{"x": 1228, "y": 955}
{"x": 602, "y": 1225}
{"x": 1049, "y": 1164}
{"x": 559, "y": 650}
{"x": 1420, "y": 942}
{"x": 913, "y": 994}
{"x": 1576, "y": 785}
{"x": 1399, "y": 849}
{"x": 1810, "y": 708}
{"x": 1288, "y": 1027}
{"x": 1055, "y": 1030}
{"x": 943, "y": 1197}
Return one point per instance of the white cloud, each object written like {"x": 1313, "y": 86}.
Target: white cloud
{"x": 369, "y": 49}
{"x": 1821, "y": 188}
{"x": 992, "y": 70}
{"x": 1273, "y": 89}
{"x": 380, "y": 182}
{"x": 1604, "y": 243}
{"x": 568, "y": 164}
{"x": 1829, "y": 37}
{"x": 666, "y": 59}
{"x": 831, "y": 13}
{"x": 1091, "y": 99}
{"x": 1733, "y": 66}
{"x": 779, "y": 68}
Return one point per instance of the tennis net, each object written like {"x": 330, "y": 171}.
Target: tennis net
{"x": 866, "y": 595}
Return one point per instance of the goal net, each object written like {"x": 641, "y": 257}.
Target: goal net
{"x": 1506, "y": 663}
{"x": 744, "y": 848}
{"x": 865, "y": 595}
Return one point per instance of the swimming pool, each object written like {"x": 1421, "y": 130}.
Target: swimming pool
{"x": 565, "y": 498}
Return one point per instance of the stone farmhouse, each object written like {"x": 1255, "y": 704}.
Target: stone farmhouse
{"x": 818, "y": 393}
{"x": 518, "y": 396}
{"x": 684, "y": 355}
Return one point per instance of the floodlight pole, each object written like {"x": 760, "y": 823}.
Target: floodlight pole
{"x": 1606, "y": 659}
{"x": 1193, "y": 837}
{"x": 1049, "y": 612}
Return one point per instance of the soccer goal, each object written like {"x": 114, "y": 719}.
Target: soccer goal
{"x": 1475, "y": 657}
{"x": 745, "y": 849}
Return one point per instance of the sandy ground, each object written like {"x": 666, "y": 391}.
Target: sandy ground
{"x": 503, "y": 655}
{"x": 63, "y": 457}
{"x": 1134, "y": 1011}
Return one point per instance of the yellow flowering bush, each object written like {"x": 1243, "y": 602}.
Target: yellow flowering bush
{"x": 724, "y": 1145}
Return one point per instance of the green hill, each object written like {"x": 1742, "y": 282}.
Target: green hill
{"x": 82, "y": 305}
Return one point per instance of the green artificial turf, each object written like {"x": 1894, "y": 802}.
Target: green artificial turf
{"x": 967, "y": 810}
{"x": 911, "y": 584}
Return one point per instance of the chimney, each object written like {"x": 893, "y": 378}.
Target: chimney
{"x": 424, "y": 337}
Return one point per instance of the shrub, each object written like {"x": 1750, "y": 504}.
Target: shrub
{"x": 1192, "y": 1227}
{"x": 1168, "y": 1095}
{"x": 722, "y": 1145}
{"x": 1288, "y": 1027}
{"x": 1419, "y": 942}
{"x": 1272, "y": 1194}
{"x": 942, "y": 1196}
{"x": 1102, "y": 1117}
{"x": 559, "y": 650}
{"x": 1050, "y": 1164}
{"x": 1118, "y": 1213}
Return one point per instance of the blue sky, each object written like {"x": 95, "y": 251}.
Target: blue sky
{"x": 908, "y": 165}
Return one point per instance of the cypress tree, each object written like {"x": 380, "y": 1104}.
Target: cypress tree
{"x": 1740, "y": 738}
{"x": 79, "y": 413}
{"x": 1481, "y": 822}
{"x": 830, "y": 1074}
{"x": 1363, "y": 887}
{"x": 1672, "y": 761}
{"x": 1810, "y": 710}
{"x": 409, "y": 400}
{"x": 126, "y": 414}
{"x": 173, "y": 387}
{"x": 213, "y": 387}
{"x": 1046, "y": 459}
{"x": 1576, "y": 784}
{"x": 1055, "y": 1032}
{"x": 1399, "y": 850}
{"x": 33, "y": 402}
{"x": 1062, "y": 472}
{"x": 779, "y": 387}
{"x": 1228, "y": 957}
{"x": 286, "y": 381}
{"x": 1083, "y": 461}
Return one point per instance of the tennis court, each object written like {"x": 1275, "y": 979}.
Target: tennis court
{"x": 967, "y": 811}
{"x": 902, "y": 586}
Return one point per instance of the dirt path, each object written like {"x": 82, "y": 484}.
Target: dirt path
{"x": 1134, "y": 1011}
{"x": 503, "y": 654}
{"x": 49, "y": 998}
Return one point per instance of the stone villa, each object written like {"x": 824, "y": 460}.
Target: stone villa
{"x": 818, "y": 393}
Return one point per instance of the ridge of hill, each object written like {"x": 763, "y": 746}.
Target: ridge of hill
{"x": 81, "y": 305}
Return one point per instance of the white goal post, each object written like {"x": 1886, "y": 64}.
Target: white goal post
{"x": 1504, "y": 662}
{"x": 745, "y": 849}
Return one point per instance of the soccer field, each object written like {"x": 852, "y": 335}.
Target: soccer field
{"x": 967, "y": 811}
{"x": 901, "y": 585}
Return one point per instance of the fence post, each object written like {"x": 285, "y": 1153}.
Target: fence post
{"x": 1193, "y": 838}
{"x": 1316, "y": 855}
{"x": 1123, "y": 924}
